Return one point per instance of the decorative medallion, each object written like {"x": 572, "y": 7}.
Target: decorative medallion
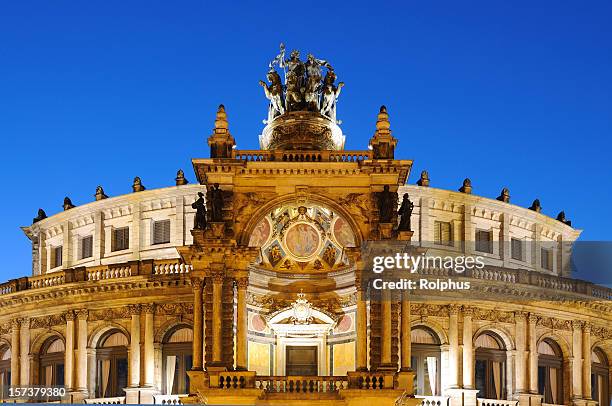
{"x": 302, "y": 312}
{"x": 343, "y": 233}
{"x": 302, "y": 240}
{"x": 260, "y": 234}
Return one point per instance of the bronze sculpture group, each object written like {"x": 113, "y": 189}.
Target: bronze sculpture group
{"x": 305, "y": 88}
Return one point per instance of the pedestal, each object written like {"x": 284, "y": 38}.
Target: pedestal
{"x": 217, "y": 230}
{"x": 78, "y": 396}
{"x": 405, "y": 381}
{"x": 385, "y": 230}
{"x": 405, "y": 235}
{"x": 528, "y": 399}
{"x": 462, "y": 397}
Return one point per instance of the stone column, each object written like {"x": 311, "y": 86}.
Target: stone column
{"x": 69, "y": 353}
{"x": 361, "y": 326}
{"x": 533, "y": 355}
{"x": 385, "y": 309}
{"x": 15, "y": 347}
{"x": 241, "y": 324}
{"x": 26, "y": 357}
{"x": 520, "y": 320}
{"x": 198, "y": 328}
{"x": 217, "y": 315}
{"x": 468, "y": 349}
{"x": 577, "y": 359}
{"x": 149, "y": 350}
{"x": 453, "y": 351}
{"x": 405, "y": 334}
{"x": 81, "y": 369}
{"x": 586, "y": 365}
{"x": 134, "y": 381}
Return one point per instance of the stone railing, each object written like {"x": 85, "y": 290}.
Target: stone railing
{"x": 173, "y": 267}
{"x": 301, "y": 384}
{"x": 167, "y": 399}
{"x": 119, "y": 400}
{"x": 301, "y": 156}
{"x": 371, "y": 380}
{"x": 496, "y": 402}
{"x": 495, "y": 274}
{"x": 51, "y": 279}
{"x": 433, "y": 400}
{"x": 114, "y": 272}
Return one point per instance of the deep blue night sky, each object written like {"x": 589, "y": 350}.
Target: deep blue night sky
{"x": 515, "y": 94}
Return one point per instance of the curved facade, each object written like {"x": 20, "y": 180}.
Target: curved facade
{"x": 130, "y": 301}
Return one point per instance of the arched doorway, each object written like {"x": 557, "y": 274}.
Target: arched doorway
{"x": 600, "y": 377}
{"x": 425, "y": 361}
{"x": 111, "y": 365}
{"x": 177, "y": 354}
{"x": 550, "y": 372}
{"x": 490, "y": 366}
{"x": 5, "y": 369}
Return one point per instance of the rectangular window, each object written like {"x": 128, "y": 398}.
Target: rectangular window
{"x": 87, "y": 247}
{"x": 121, "y": 239}
{"x": 484, "y": 241}
{"x": 57, "y": 256}
{"x": 442, "y": 233}
{"x": 546, "y": 259}
{"x": 161, "y": 232}
{"x": 517, "y": 249}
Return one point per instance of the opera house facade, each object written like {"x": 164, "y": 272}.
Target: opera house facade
{"x": 249, "y": 282}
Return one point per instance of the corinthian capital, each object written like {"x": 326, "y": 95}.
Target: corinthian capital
{"x": 134, "y": 309}
{"x": 148, "y": 308}
{"x": 217, "y": 277}
{"x": 69, "y": 315}
{"x": 577, "y": 324}
{"x": 197, "y": 283}
{"x": 533, "y": 318}
{"x": 468, "y": 311}
{"x": 453, "y": 309}
{"x": 82, "y": 314}
{"x": 15, "y": 324}
{"x": 242, "y": 283}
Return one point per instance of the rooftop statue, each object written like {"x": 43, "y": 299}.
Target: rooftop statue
{"x": 305, "y": 88}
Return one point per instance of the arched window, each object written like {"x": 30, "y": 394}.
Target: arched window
{"x": 490, "y": 368}
{"x": 177, "y": 358}
{"x": 51, "y": 363}
{"x": 425, "y": 360}
{"x": 112, "y": 365}
{"x": 5, "y": 370}
{"x": 600, "y": 377}
{"x": 550, "y": 372}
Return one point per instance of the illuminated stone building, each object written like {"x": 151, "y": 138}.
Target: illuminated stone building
{"x": 265, "y": 303}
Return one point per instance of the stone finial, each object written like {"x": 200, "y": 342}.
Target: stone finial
{"x": 137, "y": 186}
{"x": 221, "y": 124}
{"x": 180, "y": 178}
{"x": 504, "y": 195}
{"x": 100, "y": 194}
{"x": 561, "y": 217}
{"x": 467, "y": 186}
{"x": 221, "y": 141}
{"x": 536, "y": 206}
{"x": 382, "y": 123}
{"x": 67, "y": 204}
{"x": 424, "y": 179}
{"x": 41, "y": 215}
{"x": 383, "y": 143}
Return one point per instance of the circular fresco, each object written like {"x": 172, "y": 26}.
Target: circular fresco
{"x": 343, "y": 233}
{"x": 260, "y": 234}
{"x": 302, "y": 240}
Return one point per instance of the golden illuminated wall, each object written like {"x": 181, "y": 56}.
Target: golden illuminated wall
{"x": 344, "y": 358}
{"x": 259, "y": 358}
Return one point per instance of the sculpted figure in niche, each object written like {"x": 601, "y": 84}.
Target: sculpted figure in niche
{"x": 274, "y": 93}
{"x": 387, "y": 201}
{"x": 200, "y": 217}
{"x": 405, "y": 211}
{"x": 216, "y": 204}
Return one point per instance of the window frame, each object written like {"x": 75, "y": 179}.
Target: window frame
{"x": 114, "y": 243}
{"x": 114, "y": 355}
{"x": 489, "y": 241}
{"x": 438, "y": 230}
{"x": 181, "y": 351}
{"x": 520, "y": 243}
{"x": 57, "y": 250}
{"x": 548, "y": 254}
{"x": 157, "y": 223}
{"x": 82, "y": 247}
